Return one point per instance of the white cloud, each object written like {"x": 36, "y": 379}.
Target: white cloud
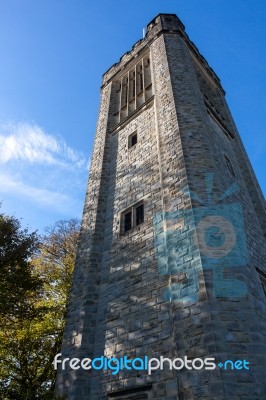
{"x": 28, "y": 142}
{"x": 41, "y": 177}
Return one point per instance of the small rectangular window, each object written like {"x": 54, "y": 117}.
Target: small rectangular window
{"x": 129, "y": 397}
{"x": 132, "y": 217}
{"x": 136, "y": 393}
{"x": 132, "y": 139}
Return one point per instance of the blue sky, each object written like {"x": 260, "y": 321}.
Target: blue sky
{"x": 53, "y": 54}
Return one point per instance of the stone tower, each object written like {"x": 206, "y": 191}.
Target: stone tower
{"x": 171, "y": 257}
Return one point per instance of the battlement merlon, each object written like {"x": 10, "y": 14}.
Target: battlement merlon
{"x": 162, "y": 23}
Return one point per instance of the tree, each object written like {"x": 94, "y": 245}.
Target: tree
{"x": 56, "y": 259}
{"x": 17, "y": 281}
{"x": 31, "y": 343}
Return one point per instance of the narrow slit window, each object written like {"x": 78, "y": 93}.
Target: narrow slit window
{"x": 263, "y": 284}
{"x": 128, "y": 396}
{"x": 128, "y": 221}
{"x": 136, "y": 393}
{"x": 139, "y": 214}
{"x": 229, "y": 166}
{"x": 118, "y": 87}
{"x": 124, "y": 92}
{"x": 132, "y": 86}
{"x": 262, "y": 276}
{"x": 132, "y": 139}
{"x": 132, "y": 90}
{"x": 141, "y": 79}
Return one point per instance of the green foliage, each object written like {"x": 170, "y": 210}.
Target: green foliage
{"x": 17, "y": 281}
{"x": 31, "y": 337}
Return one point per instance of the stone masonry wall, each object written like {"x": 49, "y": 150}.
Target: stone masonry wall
{"x": 152, "y": 291}
{"x": 83, "y": 303}
{"x": 237, "y": 325}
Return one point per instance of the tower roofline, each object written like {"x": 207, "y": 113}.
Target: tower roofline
{"x": 162, "y": 23}
{"x": 166, "y": 15}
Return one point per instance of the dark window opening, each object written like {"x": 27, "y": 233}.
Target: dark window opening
{"x": 138, "y": 393}
{"x": 229, "y": 166}
{"x": 140, "y": 85}
{"x": 141, "y": 82}
{"x": 128, "y": 221}
{"x": 132, "y": 91}
{"x": 132, "y": 217}
{"x": 124, "y": 93}
{"x": 263, "y": 283}
{"x": 262, "y": 276}
{"x": 139, "y": 214}
{"x": 134, "y": 88}
{"x": 132, "y": 139}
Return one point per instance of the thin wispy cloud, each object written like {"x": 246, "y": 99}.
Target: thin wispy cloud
{"x": 47, "y": 198}
{"x": 30, "y": 143}
{"x": 40, "y": 174}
